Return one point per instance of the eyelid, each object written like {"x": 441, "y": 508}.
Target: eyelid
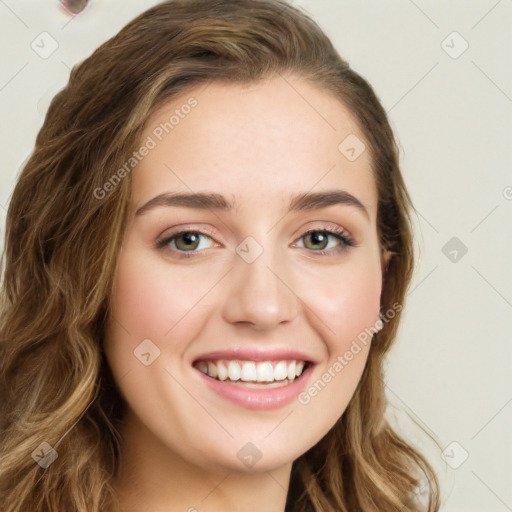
{"x": 188, "y": 228}
{"x": 326, "y": 226}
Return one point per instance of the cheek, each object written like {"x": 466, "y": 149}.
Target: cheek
{"x": 347, "y": 301}
{"x": 346, "y": 305}
{"x": 149, "y": 300}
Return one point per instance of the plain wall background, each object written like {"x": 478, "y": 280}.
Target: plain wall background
{"x": 451, "y": 110}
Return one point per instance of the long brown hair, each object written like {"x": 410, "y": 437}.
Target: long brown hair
{"x": 62, "y": 243}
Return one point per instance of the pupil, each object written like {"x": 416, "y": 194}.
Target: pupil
{"x": 318, "y": 238}
{"x": 189, "y": 238}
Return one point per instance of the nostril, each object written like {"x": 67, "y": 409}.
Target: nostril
{"x": 74, "y": 6}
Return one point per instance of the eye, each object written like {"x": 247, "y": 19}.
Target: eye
{"x": 189, "y": 243}
{"x": 185, "y": 242}
{"x": 324, "y": 241}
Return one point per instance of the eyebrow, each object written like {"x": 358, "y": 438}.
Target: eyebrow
{"x": 214, "y": 201}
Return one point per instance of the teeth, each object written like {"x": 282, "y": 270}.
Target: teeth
{"x": 260, "y": 385}
{"x": 212, "y": 369}
{"x": 222, "y": 372}
{"x": 252, "y": 371}
{"x": 204, "y": 368}
{"x": 264, "y": 372}
{"x": 233, "y": 370}
{"x": 290, "y": 371}
{"x": 248, "y": 371}
{"x": 280, "y": 372}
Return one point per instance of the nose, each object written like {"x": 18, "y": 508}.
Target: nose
{"x": 259, "y": 294}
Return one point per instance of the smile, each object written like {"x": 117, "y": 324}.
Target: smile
{"x": 257, "y": 385}
{"x": 252, "y": 373}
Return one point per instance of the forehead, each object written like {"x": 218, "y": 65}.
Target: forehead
{"x": 262, "y": 140}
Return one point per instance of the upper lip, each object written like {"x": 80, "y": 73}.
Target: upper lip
{"x": 256, "y": 354}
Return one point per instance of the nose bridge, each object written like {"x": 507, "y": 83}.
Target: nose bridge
{"x": 257, "y": 294}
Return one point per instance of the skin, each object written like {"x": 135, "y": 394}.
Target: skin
{"x": 258, "y": 145}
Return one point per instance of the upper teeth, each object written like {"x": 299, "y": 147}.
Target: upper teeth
{"x": 263, "y": 371}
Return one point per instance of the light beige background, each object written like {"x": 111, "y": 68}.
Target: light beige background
{"x": 451, "y": 110}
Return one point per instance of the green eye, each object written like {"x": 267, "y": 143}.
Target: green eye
{"x": 320, "y": 241}
{"x": 186, "y": 240}
{"x": 317, "y": 240}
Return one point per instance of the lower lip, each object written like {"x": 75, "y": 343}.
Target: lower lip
{"x": 258, "y": 399}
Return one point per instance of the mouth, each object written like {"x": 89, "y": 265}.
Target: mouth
{"x": 254, "y": 374}
{"x": 255, "y": 384}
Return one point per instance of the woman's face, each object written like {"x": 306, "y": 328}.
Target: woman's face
{"x": 245, "y": 291}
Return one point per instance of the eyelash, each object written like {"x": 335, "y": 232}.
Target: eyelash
{"x": 339, "y": 233}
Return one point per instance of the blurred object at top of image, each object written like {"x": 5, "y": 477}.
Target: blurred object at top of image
{"x": 74, "y": 7}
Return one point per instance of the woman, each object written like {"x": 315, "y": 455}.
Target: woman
{"x": 206, "y": 258}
